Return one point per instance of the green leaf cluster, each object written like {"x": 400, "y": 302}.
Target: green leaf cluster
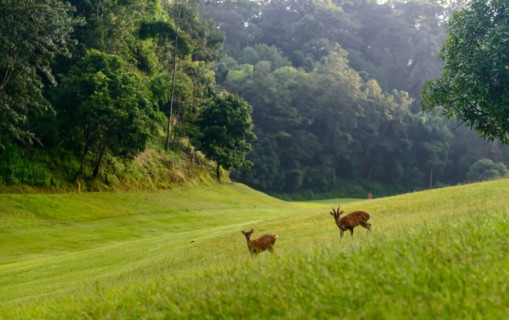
{"x": 473, "y": 86}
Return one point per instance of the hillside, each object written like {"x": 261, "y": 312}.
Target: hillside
{"x": 179, "y": 254}
{"x": 152, "y": 169}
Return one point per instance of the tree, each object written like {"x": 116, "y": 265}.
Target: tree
{"x": 182, "y": 40}
{"x": 227, "y": 130}
{"x": 104, "y": 107}
{"x": 474, "y": 84}
{"x": 32, "y": 33}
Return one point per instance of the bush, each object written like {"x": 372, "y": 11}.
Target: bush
{"x": 18, "y": 167}
{"x": 486, "y": 169}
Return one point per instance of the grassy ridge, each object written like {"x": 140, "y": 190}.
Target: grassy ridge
{"x": 106, "y": 235}
{"x": 427, "y": 257}
{"x": 43, "y": 225}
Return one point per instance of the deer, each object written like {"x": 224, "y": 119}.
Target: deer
{"x": 265, "y": 242}
{"x": 350, "y": 221}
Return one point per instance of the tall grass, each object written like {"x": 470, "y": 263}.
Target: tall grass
{"x": 452, "y": 269}
{"x": 436, "y": 254}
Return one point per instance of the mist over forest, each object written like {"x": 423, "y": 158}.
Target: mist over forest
{"x": 331, "y": 90}
{"x": 336, "y": 88}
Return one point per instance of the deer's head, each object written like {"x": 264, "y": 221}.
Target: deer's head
{"x": 248, "y": 234}
{"x": 336, "y": 213}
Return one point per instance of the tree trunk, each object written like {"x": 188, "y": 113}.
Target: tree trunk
{"x": 7, "y": 76}
{"x": 431, "y": 177}
{"x": 170, "y": 112}
{"x": 175, "y": 132}
{"x": 99, "y": 158}
{"x": 84, "y": 155}
{"x": 82, "y": 161}
{"x": 218, "y": 173}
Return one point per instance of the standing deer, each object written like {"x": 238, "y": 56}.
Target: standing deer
{"x": 350, "y": 221}
{"x": 263, "y": 243}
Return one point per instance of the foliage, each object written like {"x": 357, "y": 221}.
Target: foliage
{"x": 226, "y": 131}
{"x": 335, "y": 88}
{"x": 105, "y": 108}
{"x": 320, "y": 127}
{"x": 486, "y": 169}
{"x": 114, "y": 82}
{"x": 473, "y": 86}
{"x": 32, "y": 33}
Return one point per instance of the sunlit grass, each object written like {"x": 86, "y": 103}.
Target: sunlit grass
{"x": 182, "y": 255}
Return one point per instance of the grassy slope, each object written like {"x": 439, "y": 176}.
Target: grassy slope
{"x": 49, "y": 240}
{"x": 442, "y": 253}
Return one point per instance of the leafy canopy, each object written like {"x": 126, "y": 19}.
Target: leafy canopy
{"x": 474, "y": 85}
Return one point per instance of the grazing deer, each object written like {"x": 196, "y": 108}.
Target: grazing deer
{"x": 263, "y": 243}
{"x": 350, "y": 221}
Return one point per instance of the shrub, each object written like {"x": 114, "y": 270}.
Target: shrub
{"x": 486, "y": 169}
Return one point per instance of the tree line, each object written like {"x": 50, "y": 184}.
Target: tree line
{"x": 336, "y": 90}
{"x": 327, "y": 94}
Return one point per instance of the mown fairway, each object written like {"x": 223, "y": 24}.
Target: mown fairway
{"x": 180, "y": 254}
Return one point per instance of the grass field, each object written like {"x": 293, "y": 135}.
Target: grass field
{"x": 179, "y": 254}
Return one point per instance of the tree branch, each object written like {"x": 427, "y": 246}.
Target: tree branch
{"x": 7, "y": 76}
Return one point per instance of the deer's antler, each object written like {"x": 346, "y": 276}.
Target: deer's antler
{"x": 335, "y": 211}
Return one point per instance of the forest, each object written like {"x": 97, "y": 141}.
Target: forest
{"x": 293, "y": 97}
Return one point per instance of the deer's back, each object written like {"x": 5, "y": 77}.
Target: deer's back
{"x": 355, "y": 218}
{"x": 264, "y": 241}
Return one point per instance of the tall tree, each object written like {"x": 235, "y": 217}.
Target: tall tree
{"x": 104, "y": 107}
{"x": 185, "y": 45}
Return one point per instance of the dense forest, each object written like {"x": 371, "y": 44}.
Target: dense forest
{"x": 88, "y": 86}
{"x": 336, "y": 88}
{"x": 322, "y": 96}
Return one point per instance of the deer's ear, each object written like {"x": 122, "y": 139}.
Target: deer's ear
{"x": 251, "y": 231}
{"x": 243, "y": 232}
{"x": 331, "y": 213}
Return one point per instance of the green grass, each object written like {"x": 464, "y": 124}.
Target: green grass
{"x": 179, "y": 254}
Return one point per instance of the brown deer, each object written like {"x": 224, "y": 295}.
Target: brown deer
{"x": 263, "y": 243}
{"x": 350, "y": 221}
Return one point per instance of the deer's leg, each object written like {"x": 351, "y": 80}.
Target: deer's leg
{"x": 366, "y": 225}
{"x": 341, "y": 232}
{"x": 351, "y": 232}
